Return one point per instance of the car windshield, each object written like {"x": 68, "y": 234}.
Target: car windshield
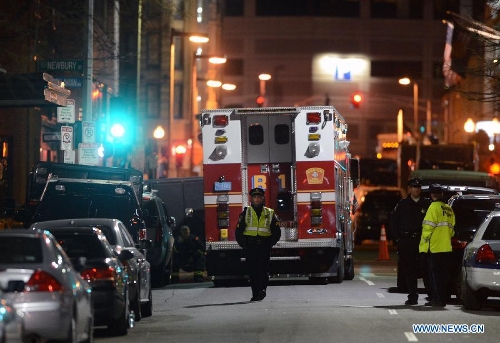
{"x": 384, "y": 200}
{"x": 470, "y": 213}
{"x": 20, "y": 250}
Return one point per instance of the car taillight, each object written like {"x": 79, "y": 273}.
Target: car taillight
{"x": 485, "y": 255}
{"x": 42, "y": 281}
{"x": 457, "y": 243}
{"x": 98, "y": 274}
{"x": 143, "y": 234}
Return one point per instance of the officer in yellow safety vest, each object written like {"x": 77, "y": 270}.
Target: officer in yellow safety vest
{"x": 437, "y": 230}
{"x": 257, "y": 232}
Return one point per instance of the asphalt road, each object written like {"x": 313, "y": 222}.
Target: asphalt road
{"x": 361, "y": 310}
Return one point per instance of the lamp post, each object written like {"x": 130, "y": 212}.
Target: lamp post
{"x": 263, "y": 78}
{"x": 158, "y": 134}
{"x": 406, "y": 81}
{"x": 195, "y": 38}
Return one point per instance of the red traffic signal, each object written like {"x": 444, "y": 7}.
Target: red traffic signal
{"x": 356, "y": 100}
{"x": 260, "y": 101}
{"x": 180, "y": 151}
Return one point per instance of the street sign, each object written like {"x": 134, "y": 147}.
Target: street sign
{"x": 66, "y": 114}
{"x": 88, "y": 134}
{"x": 66, "y": 138}
{"x": 69, "y": 156}
{"x": 51, "y": 137}
{"x": 88, "y": 154}
{"x": 61, "y": 65}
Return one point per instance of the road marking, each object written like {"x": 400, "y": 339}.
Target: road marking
{"x": 380, "y": 295}
{"x": 393, "y": 311}
{"x": 367, "y": 281}
{"x": 410, "y": 336}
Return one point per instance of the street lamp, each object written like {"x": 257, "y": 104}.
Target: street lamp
{"x": 263, "y": 78}
{"x": 195, "y": 38}
{"x": 406, "y": 81}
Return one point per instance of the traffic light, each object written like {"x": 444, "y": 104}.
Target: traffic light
{"x": 260, "y": 101}
{"x": 180, "y": 151}
{"x": 120, "y": 124}
{"x": 356, "y": 100}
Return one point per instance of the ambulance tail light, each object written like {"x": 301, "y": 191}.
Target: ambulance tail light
{"x": 223, "y": 216}
{"x": 313, "y": 118}
{"x": 220, "y": 139}
{"x": 220, "y": 121}
{"x": 316, "y": 211}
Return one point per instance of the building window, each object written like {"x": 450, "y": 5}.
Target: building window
{"x": 153, "y": 101}
{"x": 396, "y": 69}
{"x": 384, "y": 9}
{"x": 153, "y": 49}
{"x": 302, "y": 8}
{"x": 233, "y": 67}
{"x": 234, "y": 8}
{"x": 179, "y": 95}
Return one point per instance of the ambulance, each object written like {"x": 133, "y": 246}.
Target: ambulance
{"x": 300, "y": 157}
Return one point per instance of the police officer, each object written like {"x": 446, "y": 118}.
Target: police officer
{"x": 406, "y": 226}
{"x": 257, "y": 232}
{"x": 437, "y": 230}
{"x": 189, "y": 254}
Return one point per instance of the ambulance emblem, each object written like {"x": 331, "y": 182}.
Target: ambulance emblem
{"x": 315, "y": 175}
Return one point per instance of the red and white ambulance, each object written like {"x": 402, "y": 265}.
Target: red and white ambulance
{"x": 300, "y": 156}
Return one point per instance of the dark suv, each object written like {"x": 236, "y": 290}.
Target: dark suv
{"x": 470, "y": 211}
{"x": 159, "y": 230}
{"x": 77, "y": 198}
{"x": 375, "y": 207}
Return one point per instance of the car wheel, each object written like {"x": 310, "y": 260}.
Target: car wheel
{"x": 168, "y": 271}
{"x": 90, "y": 331}
{"x": 136, "y": 305}
{"x": 349, "y": 269}
{"x": 147, "y": 308}
{"x": 72, "y": 331}
{"x": 471, "y": 300}
{"x": 340, "y": 269}
{"x": 119, "y": 326}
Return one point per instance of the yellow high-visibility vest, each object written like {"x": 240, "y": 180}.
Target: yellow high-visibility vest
{"x": 258, "y": 226}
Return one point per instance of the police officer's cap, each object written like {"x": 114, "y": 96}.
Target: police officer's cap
{"x": 257, "y": 191}
{"x": 435, "y": 188}
{"x": 415, "y": 182}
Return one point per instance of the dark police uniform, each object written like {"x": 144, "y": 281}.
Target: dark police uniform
{"x": 189, "y": 254}
{"x": 406, "y": 226}
{"x": 256, "y": 232}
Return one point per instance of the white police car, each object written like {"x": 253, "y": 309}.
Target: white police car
{"x": 481, "y": 264}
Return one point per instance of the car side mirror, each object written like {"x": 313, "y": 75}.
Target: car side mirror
{"x": 172, "y": 221}
{"x": 125, "y": 255}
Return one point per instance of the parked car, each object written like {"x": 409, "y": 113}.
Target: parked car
{"x": 449, "y": 191}
{"x": 470, "y": 211}
{"x": 103, "y": 269}
{"x": 11, "y": 322}
{"x": 481, "y": 264}
{"x": 138, "y": 268}
{"x": 38, "y": 279}
{"x": 83, "y": 198}
{"x": 159, "y": 230}
{"x": 375, "y": 207}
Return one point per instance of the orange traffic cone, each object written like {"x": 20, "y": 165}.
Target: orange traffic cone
{"x": 383, "y": 250}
